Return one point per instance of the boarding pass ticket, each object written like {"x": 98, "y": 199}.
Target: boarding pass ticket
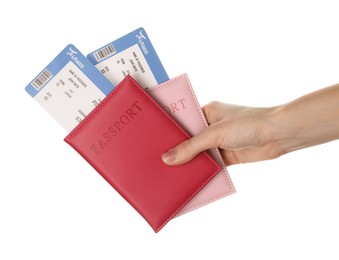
{"x": 131, "y": 54}
{"x": 69, "y": 87}
{"x": 72, "y": 85}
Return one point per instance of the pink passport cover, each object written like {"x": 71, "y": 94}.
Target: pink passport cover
{"x": 177, "y": 97}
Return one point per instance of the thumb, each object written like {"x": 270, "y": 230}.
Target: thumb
{"x": 188, "y": 149}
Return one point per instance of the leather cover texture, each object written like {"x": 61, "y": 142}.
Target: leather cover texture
{"x": 177, "y": 97}
{"x": 124, "y": 137}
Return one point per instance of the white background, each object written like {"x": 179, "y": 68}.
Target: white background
{"x": 256, "y": 53}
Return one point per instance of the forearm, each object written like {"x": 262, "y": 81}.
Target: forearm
{"x": 247, "y": 134}
{"x": 307, "y": 121}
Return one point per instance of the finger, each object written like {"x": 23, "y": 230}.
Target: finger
{"x": 212, "y": 112}
{"x": 229, "y": 157}
{"x": 188, "y": 149}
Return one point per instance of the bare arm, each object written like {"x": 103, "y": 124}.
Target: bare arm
{"x": 248, "y": 134}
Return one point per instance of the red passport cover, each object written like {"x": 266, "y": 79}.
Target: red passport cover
{"x": 124, "y": 137}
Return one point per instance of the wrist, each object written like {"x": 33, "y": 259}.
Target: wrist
{"x": 288, "y": 130}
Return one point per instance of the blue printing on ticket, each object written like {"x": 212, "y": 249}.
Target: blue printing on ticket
{"x": 140, "y": 37}
{"x": 71, "y": 53}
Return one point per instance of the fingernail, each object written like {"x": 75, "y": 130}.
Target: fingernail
{"x": 168, "y": 157}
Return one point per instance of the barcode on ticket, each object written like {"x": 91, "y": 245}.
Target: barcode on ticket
{"x": 104, "y": 52}
{"x": 42, "y": 79}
